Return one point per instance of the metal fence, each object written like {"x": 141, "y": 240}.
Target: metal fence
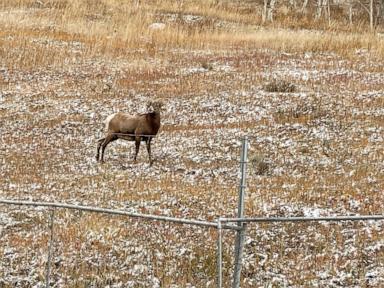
{"x": 242, "y": 221}
{"x": 219, "y": 225}
{"x": 238, "y": 224}
{"x": 318, "y": 251}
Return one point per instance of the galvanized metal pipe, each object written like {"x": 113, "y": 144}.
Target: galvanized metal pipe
{"x": 240, "y": 236}
{"x": 219, "y": 255}
{"x": 49, "y": 257}
{"x": 118, "y": 212}
{"x": 243, "y": 169}
{"x": 135, "y": 135}
{"x": 304, "y": 219}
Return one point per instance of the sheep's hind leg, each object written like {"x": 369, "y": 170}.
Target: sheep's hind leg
{"x": 108, "y": 139}
{"x": 99, "y": 142}
{"x": 149, "y": 151}
{"x": 137, "y": 145}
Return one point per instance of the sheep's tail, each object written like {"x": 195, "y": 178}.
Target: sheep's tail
{"x": 109, "y": 118}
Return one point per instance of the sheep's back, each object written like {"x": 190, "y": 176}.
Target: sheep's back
{"x": 122, "y": 123}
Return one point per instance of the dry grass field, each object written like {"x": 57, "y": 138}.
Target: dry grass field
{"x": 311, "y": 101}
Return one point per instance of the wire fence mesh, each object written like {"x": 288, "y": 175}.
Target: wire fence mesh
{"x": 107, "y": 248}
{"x": 101, "y": 249}
{"x": 341, "y": 254}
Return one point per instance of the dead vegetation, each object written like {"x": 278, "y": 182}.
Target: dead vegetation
{"x": 279, "y": 86}
{"x": 315, "y": 150}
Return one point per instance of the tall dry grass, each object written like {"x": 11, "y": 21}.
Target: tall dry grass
{"x": 59, "y": 32}
{"x": 113, "y": 28}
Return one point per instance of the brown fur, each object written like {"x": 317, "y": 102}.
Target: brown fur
{"x": 142, "y": 127}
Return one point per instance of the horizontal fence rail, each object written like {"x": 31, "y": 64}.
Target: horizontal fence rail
{"x": 304, "y": 219}
{"x": 118, "y": 212}
{"x": 221, "y": 223}
{"x": 134, "y": 135}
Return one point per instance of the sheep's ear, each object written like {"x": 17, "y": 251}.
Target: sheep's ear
{"x": 161, "y": 105}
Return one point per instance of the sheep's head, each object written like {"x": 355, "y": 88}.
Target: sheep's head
{"x": 155, "y": 106}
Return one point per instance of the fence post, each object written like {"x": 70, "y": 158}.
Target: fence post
{"x": 240, "y": 214}
{"x": 50, "y": 248}
{"x": 219, "y": 255}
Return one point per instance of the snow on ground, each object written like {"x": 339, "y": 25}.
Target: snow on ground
{"x": 317, "y": 151}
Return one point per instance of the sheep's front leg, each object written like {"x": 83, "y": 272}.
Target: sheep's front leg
{"x": 137, "y": 142}
{"x": 110, "y": 138}
{"x": 149, "y": 150}
{"x": 99, "y": 142}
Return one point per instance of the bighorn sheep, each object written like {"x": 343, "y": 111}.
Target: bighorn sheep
{"x": 141, "y": 127}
